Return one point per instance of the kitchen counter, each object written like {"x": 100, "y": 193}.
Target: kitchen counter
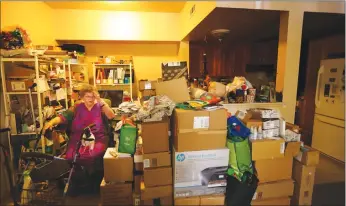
{"x": 232, "y": 108}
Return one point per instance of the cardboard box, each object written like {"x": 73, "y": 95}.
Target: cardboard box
{"x": 155, "y": 137}
{"x": 276, "y": 189}
{"x": 272, "y": 170}
{"x": 158, "y": 176}
{"x": 213, "y": 200}
{"x": 240, "y": 115}
{"x": 304, "y": 175}
{"x": 301, "y": 196}
{"x": 149, "y": 93}
{"x": 149, "y": 193}
{"x": 200, "y": 172}
{"x": 187, "y": 201}
{"x": 146, "y": 85}
{"x": 159, "y": 201}
{"x": 193, "y": 121}
{"x": 175, "y": 89}
{"x": 193, "y": 130}
{"x": 308, "y": 156}
{"x": 269, "y": 133}
{"x": 116, "y": 193}
{"x": 253, "y": 123}
{"x": 267, "y": 148}
{"x": 274, "y": 201}
{"x": 292, "y": 149}
{"x": 271, "y": 123}
{"x": 202, "y": 140}
{"x": 154, "y": 160}
{"x": 200, "y": 168}
{"x": 117, "y": 169}
{"x": 18, "y": 85}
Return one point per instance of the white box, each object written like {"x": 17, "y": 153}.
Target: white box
{"x": 271, "y": 123}
{"x": 268, "y": 133}
{"x": 200, "y": 172}
{"x": 269, "y": 113}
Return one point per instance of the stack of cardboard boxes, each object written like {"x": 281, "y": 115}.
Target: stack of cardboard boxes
{"x": 304, "y": 167}
{"x": 147, "y": 89}
{"x": 200, "y": 158}
{"x": 273, "y": 159}
{"x": 156, "y": 185}
{"x": 116, "y": 186}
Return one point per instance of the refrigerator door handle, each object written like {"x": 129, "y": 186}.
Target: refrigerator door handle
{"x": 335, "y": 125}
{"x": 318, "y": 87}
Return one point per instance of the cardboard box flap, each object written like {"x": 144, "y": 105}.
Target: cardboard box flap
{"x": 175, "y": 89}
{"x": 308, "y": 156}
{"x": 292, "y": 148}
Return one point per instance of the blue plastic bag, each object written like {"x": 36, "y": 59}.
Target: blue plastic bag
{"x": 235, "y": 128}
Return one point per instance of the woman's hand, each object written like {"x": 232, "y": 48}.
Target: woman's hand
{"x": 98, "y": 99}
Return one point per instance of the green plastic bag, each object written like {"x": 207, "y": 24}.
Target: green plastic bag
{"x": 240, "y": 161}
{"x": 127, "y": 140}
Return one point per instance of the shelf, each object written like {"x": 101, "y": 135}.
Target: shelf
{"x": 78, "y": 64}
{"x": 112, "y": 64}
{"x": 4, "y": 59}
{"x": 26, "y": 133}
{"x": 20, "y": 93}
{"x": 112, "y": 84}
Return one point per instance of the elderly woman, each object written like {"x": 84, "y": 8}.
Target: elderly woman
{"x": 89, "y": 110}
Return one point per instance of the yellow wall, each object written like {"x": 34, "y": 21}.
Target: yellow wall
{"x": 34, "y": 16}
{"x": 75, "y": 24}
{"x": 189, "y": 22}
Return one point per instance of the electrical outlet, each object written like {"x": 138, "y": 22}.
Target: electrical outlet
{"x": 192, "y": 10}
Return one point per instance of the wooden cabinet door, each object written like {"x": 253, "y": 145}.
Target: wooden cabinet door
{"x": 195, "y": 60}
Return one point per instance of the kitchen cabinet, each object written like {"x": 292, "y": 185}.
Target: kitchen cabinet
{"x": 231, "y": 59}
{"x": 195, "y": 59}
{"x": 264, "y": 53}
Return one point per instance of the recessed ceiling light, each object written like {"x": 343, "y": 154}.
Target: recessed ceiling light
{"x": 115, "y": 2}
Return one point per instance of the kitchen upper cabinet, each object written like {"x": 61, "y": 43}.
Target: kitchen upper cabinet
{"x": 264, "y": 53}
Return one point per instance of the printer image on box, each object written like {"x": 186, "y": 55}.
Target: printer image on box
{"x": 214, "y": 176}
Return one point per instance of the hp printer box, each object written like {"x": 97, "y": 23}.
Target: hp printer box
{"x": 200, "y": 172}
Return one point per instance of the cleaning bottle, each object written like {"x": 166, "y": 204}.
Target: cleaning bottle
{"x": 260, "y": 133}
{"x": 251, "y": 133}
{"x": 255, "y": 133}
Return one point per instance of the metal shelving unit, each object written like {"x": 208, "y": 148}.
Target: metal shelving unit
{"x": 117, "y": 86}
{"x": 37, "y": 60}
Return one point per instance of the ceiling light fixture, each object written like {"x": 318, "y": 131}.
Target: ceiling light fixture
{"x": 220, "y": 34}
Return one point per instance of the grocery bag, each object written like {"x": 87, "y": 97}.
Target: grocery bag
{"x": 127, "y": 140}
